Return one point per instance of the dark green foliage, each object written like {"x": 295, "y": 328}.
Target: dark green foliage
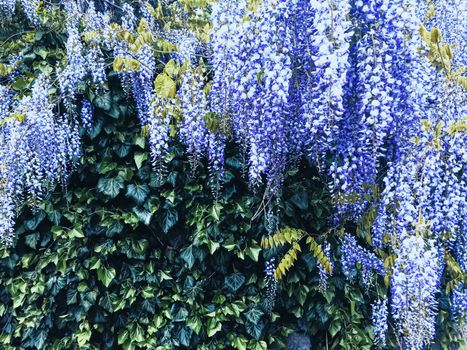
{"x": 120, "y": 259}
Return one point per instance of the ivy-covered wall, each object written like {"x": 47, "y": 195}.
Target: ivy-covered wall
{"x": 118, "y": 259}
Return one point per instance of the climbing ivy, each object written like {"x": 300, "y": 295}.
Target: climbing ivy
{"x": 119, "y": 258}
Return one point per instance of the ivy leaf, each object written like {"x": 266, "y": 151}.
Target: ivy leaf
{"x": 213, "y": 326}
{"x": 254, "y": 315}
{"x": 143, "y": 215}
{"x": 184, "y": 336}
{"x": 216, "y": 211}
{"x": 106, "y": 275}
{"x": 110, "y": 187}
{"x": 106, "y": 302}
{"x": 103, "y": 101}
{"x": 181, "y": 315}
{"x": 169, "y": 219}
{"x": 334, "y": 328}
{"x": 123, "y": 336}
{"x": 138, "y": 192}
{"x": 20, "y": 84}
{"x": 34, "y": 222}
{"x": 188, "y": 257}
{"x": 71, "y": 296}
{"x": 254, "y": 329}
{"x": 31, "y": 240}
{"x": 239, "y": 342}
{"x": 139, "y": 158}
{"x": 300, "y": 199}
{"x": 195, "y": 324}
{"x": 253, "y": 253}
{"x": 234, "y": 281}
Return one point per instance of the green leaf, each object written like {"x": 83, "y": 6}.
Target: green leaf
{"x": 334, "y": 328}
{"x": 253, "y": 253}
{"x": 20, "y": 84}
{"x": 181, "y": 315}
{"x": 110, "y": 187}
{"x": 234, "y": 281}
{"x": 171, "y": 68}
{"x": 216, "y": 211}
{"x": 143, "y": 215}
{"x": 103, "y": 101}
{"x": 75, "y": 233}
{"x": 213, "y": 326}
{"x": 106, "y": 166}
{"x": 123, "y": 336}
{"x": 253, "y": 315}
{"x": 188, "y": 257}
{"x": 213, "y": 246}
{"x": 138, "y": 192}
{"x": 195, "y": 324}
{"x": 169, "y": 219}
{"x": 107, "y": 302}
{"x": 165, "y": 87}
{"x": 31, "y": 240}
{"x": 300, "y": 200}
{"x": 139, "y": 158}
{"x": 184, "y": 336}
{"x": 137, "y": 334}
{"x": 140, "y": 141}
{"x": 240, "y": 342}
{"x": 106, "y": 275}
{"x": 254, "y": 329}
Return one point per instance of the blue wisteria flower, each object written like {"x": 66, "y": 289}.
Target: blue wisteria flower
{"x": 37, "y": 149}
{"x": 379, "y": 318}
{"x": 353, "y": 254}
{"x": 414, "y": 286}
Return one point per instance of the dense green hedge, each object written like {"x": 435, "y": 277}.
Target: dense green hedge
{"x": 118, "y": 259}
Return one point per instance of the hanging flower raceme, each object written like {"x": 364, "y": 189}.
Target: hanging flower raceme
{"x": 74, "y": 71}
{"x": 193, "y": 103}
{"x": 37, "y": 150}
{"x": 414, "y": 286}
{"x": 7, "y": 8}
{"x": 30, "y": 8}
{"x": 323, "y": 273}
{"x": 226, "y": 17}
{"x": 327, "y": 42}
{"x": 259, "y": 80}
{"x": 161, "y": 111}
{"x": 86, "y": 114}
{"x": 353, "y": 254}
{"x": 379, "y": 318}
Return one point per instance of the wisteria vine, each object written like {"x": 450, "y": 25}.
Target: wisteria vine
{"x": 372, "y": 92}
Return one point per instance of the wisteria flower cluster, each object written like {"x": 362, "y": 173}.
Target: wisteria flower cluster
{"x": 37, "y": 150}
{"x": 415, "y": 283}
{"x": 351, "y": 86}
{"x": 353, "y": 253}
{"x": 380, "y": 320}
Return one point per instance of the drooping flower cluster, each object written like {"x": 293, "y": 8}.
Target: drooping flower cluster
{"x": 37, "y": 150}
{"x": 353, "y": 254}
{"x": 379, "y": 318}
{"x": 82, "y": 60}
{"x": 29, "y": 7}
{"x": 271, "y": 68}
{"x": 345, "y": 83}
{"x": 86, "y": 114}
{"x": 414, "y": 287}
{"x": 7, "y": 8}
{"x": 323, "y": 274}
